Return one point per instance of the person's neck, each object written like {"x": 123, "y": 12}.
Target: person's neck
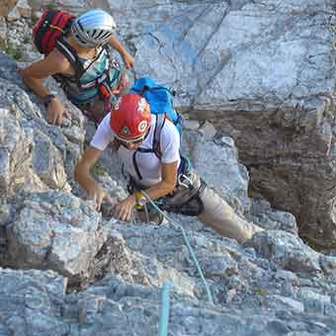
{"x": 81, "y": 51}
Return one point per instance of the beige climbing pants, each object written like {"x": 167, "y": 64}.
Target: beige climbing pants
{"x": 220, "y": 216}
{"x": 216, "y": 213}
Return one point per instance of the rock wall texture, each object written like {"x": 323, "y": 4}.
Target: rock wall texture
{"x": 262, "y": 74}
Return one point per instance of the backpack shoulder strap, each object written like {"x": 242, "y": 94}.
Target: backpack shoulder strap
{"x": 159, "y": 123}
{"x": 107, "y": 49}
{"x": 70, "y": 53}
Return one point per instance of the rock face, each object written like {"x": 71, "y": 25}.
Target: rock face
{"x": 262, "y": 73}
{"x": 6, "y": 6}
{"x": 56, "y": 231}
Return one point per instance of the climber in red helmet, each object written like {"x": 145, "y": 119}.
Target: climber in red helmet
{"x": 160, "y": 174}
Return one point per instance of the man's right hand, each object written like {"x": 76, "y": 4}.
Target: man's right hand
{"x": 57, "y": 112}
{"x": 99, "y": 195}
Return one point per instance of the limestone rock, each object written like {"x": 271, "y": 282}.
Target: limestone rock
{"x": 48, "y": 163}
{"x": 31, "y": 302}
{"x": 207, "y": 130}
{"x": 24, "y": 8}
{"x": 263, "y": 215}
{"x": 217, "y": 162}
{"x": 287, "y": 251}
{"x": 6, "y": 6}
{"x": 191, "y": 124}
{"x": 14, "y": 15}
{"x": 15, "y": 153}
{"x": 277, "y": 119}
{"x": 55, "y": 230}
{"x": 261, "y": 74}
{"x": 3, "y": 32}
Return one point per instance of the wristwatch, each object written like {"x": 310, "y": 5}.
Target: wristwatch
{"x": 140, "y": 199}
{"x": 47, "y": 100}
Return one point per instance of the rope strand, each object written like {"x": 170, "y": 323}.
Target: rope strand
{"x": 165, "y": 307}
{"x": 191, "y": 251}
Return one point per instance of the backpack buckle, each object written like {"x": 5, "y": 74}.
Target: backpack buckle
{"x": 105, "y": 95}
{"x": 104, "y": 91}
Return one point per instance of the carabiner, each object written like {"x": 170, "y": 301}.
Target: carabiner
{"x": 182, "y": 183}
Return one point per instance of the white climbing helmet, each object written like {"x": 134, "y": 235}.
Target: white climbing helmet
{"x": 93, "y": 28}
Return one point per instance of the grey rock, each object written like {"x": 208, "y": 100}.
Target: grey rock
{"x": 14, "y": 14}
{"x": 262, "y": 214}
{"x": 15, "y": 152}
{"x": 328, "y": 264}
{"x": 31, "y": 303}
{"x": 217, "y": 162}
{"x": 48, "y": 163}
{"x": 261, "y": 73}
{"x": 287, "y": 276}
{"x": 287, "y": 251}
{"x": 309, "y": 294}
{"x": 191, "y": 124}
{"x": 24, "y": 8}
{"x": 207, "y": 130}
{"x": 260, "y": 86}
{"x": 4, "y": 169}
{"x": 286, "y": 303}
{"x": 3, "y": 31}
{"x": 57, "y": 231}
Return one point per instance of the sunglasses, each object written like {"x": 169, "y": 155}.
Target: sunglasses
{"x": 127, "y": 143}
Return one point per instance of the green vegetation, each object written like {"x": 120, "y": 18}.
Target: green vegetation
{"x": 52, "y": 6}
{"x": 3, "y": 45}
{"x": 261, "y": 292}
{"x": 13, "y": 52}
{"x": 34, "y": 19}
{"x": 99, "y": 170}
{"x": 26, "y": 39}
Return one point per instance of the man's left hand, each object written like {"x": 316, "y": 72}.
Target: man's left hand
{"x": 124, "y": 209}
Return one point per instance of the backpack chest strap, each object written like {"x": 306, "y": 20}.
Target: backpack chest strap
{"x": 156, "y": 149}
{"x": 70, "y": 54}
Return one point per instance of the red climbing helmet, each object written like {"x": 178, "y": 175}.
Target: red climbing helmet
{"x": 131, "y": 118}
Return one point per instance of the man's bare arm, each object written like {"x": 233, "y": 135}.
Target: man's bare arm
{"x": 35, "y": 74}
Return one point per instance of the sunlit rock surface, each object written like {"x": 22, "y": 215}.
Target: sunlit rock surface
{"x": 262, "y": 73}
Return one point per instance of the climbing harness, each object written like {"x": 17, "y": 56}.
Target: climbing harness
{"x": 184, "y": 180}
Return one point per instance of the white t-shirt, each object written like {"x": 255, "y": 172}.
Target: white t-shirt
{"x": 149, "y": 165}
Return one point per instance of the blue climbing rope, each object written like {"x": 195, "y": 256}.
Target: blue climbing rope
{"x": 191, "y": 251}
{"x": 165, "y": 307}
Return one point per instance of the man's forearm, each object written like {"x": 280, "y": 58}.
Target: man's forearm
{"x": 159, "y": 190}
{"x": 36, "y": 85}
{"x": 114, "y": 42}
{"x": 86, "y": 181}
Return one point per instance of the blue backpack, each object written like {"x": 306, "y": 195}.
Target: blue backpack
{"x": 160, "y": 99}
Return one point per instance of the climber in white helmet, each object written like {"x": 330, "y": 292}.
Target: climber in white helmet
{"x": 81, "y": 62}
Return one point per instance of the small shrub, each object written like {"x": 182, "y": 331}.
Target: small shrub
{"x": 99, "y": 170}
{"x": 26, "y": 39}
{"x": 3, "y": 45}
{"x": 52, "y": 6}
{"x": 34, "y": 19}
{"x": 261, "y": 292}
{"x": 13, "y": 52}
